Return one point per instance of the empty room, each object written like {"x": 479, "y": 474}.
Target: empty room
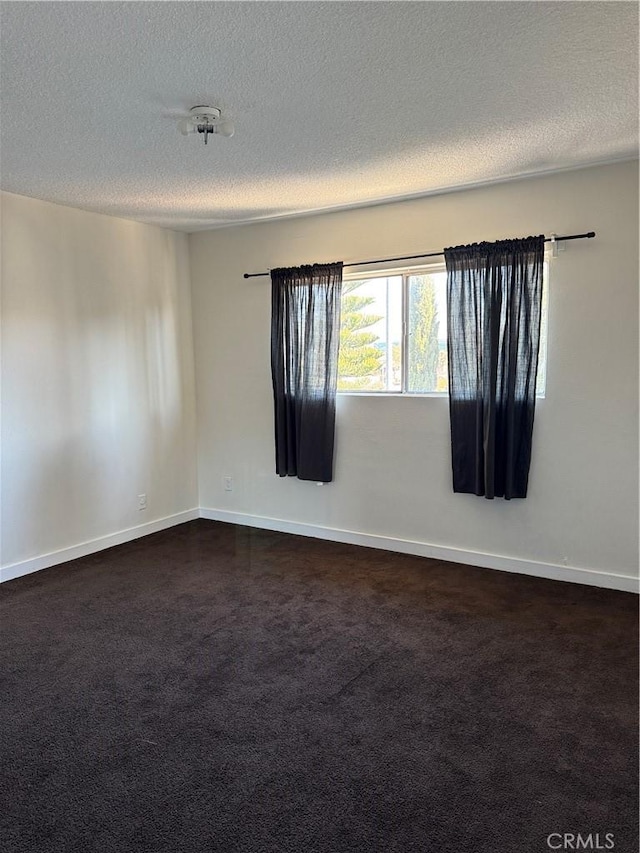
{"x": 319, "y": 421}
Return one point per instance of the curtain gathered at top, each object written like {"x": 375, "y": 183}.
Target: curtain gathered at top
{"x": 305, "y": 334}
{"x": 494, "y": 303}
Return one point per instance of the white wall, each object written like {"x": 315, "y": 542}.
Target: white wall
{"x": 98, "y": 400}
{"x": 392, "y": 466}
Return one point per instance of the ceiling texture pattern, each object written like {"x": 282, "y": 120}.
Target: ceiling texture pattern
{"x": 335, "y": 103}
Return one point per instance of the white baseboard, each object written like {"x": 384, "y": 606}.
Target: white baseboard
{"x": 45, "y": 561}
{"x": 608, "y": 580}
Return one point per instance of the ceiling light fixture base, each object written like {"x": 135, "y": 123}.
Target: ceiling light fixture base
{"x": 204, "y": 115}
{"x": 205, "y": 119}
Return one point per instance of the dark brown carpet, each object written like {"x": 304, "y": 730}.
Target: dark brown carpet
{"x": 217, "y": 688}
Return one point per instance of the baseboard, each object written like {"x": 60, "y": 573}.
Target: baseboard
{"x": 571, "y": 574}
{"x": 551, "y": 571}
{"x": 45, "y": 561}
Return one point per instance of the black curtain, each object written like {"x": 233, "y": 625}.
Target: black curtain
{"x": 305, "y": 334}
{"x": 494, "y": 299}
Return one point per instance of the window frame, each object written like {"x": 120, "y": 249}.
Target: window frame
{"x": 405, "y": 272}
{"x": 437, "y": 267}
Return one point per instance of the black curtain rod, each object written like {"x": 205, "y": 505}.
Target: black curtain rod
{"x": 553, "y": 239}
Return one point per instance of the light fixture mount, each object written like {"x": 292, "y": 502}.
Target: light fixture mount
{"x": 205, "y": 119}
{"x": 204, "y": 115}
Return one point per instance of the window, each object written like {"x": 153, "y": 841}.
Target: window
{"x": 393, "y": 333}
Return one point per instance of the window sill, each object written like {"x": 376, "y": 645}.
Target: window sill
{"x": 438, "y": 395}
{"x": 441, "y": 395}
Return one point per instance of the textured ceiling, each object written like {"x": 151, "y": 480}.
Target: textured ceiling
{"x": 335, "y": 103}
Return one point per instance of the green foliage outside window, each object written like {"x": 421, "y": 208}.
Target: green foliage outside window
{"x": 359, "y": 359}
{"x": 423, "y": 341}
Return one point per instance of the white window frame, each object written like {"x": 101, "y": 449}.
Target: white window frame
{"x": 422, "y": 269}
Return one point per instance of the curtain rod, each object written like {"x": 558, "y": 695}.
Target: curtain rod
{"x": 553, "y": 239}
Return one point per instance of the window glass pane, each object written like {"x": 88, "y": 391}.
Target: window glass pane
{"x": 541, "y": 378}
{"x": 427, "y": 333}
{"x": 371, "y": 335}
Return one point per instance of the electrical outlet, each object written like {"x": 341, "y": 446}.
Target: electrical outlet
{"x": 228, "y": 484}
{"x": 142, "y": 501}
